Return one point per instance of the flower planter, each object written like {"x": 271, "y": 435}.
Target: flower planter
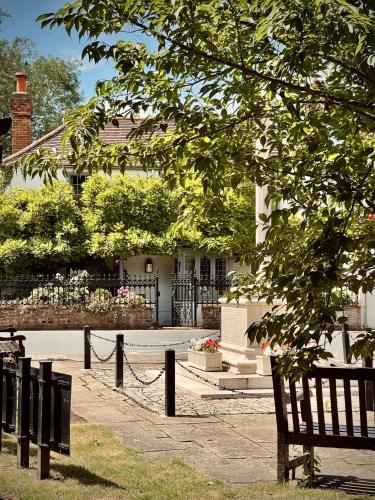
{"x": 206, "y": 361}
{"x": 264, "y": 365}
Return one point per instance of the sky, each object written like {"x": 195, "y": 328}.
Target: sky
{"x": 55, "y": 43}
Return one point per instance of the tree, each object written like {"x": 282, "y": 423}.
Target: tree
{"x": 53, "y": 84}
{"x": 277, "y": 92}
{"x": 40, "y": 229}
{"x": 127, "y": 216}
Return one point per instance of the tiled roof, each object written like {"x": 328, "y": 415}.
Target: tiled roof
{"x": 110, "y": 135}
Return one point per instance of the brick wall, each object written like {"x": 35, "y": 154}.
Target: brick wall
{"x": 46, "y": 317}
{"x": 211, "y": 314}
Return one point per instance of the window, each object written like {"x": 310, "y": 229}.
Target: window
{"x": 205, "y": 268}
{"x": 76, "y": 181}
{"x": 220, "y": 268}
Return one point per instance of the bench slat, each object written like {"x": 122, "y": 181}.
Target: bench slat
{"x": 319, "y": 403}
{"x": 348, "y": 408}
{"x": 293, "y": 402}
{"x": 362, "y": 407}
{"x": 334, "y": 410}
{"x": 307, "y": 404}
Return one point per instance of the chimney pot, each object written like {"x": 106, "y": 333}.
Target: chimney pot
{"x": 21, "y": 83}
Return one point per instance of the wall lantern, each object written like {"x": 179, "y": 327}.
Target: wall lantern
{"x": 149, "y": 266}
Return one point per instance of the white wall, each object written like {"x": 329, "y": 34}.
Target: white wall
{"x": 165, "y": 266}
{"x": 18, "y": 181}
{"x": 367, "y": 302}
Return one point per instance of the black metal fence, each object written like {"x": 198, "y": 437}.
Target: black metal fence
{"x": 189, "y": 291}
{"x": 81, "y": 289}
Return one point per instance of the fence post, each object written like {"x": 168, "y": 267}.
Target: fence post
{"x": 87, "y": 348}
{"x": 119, "y": 371}
{"x": 195, "y": 296}
{"x": 157, "y": 294}
{"x": 1, "y": 395}
{"x": 23, "y": 411}
{"x": 345, "y": 342}
{"x": 369, "y": 386}
{"x": 44, "y": 419}
{"x": 170, "y": 383}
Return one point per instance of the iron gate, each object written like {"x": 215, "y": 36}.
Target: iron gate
{"x": 189, "y": 291}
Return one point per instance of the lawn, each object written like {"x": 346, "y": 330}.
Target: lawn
{"x": 102, "y": 467}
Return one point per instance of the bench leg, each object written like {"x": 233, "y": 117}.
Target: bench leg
{"x": 308, "y": 469}
{"x": 282, "y": 460}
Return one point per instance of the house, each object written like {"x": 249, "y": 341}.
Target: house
{"x": 186, "y": 262}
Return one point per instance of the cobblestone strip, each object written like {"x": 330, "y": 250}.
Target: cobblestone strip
{"x": 152, "y": 397}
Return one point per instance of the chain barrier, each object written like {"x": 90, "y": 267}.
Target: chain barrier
{"x": 102, "y": 360}
{"x": 218, "y": 386}
{"x": 102, "y": 338}
{"x": 141, "y": 381}
{"x": 130, "y": 344}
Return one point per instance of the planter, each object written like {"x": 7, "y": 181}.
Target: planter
{"x": 264, "y": 365}
{"x": 206, "y": 361}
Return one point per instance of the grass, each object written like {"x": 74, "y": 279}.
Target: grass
{"x": 102, "y": 467}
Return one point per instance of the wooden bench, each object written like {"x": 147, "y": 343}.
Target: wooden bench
{"x": 314, "y": 427}
{"x": 12, "y": 345}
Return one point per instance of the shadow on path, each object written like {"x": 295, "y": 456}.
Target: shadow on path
{"x": 348, "y": 484}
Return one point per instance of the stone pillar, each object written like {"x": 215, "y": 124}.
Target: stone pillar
{"x": 21, "y": 109}
{"x": 239, "y": 356}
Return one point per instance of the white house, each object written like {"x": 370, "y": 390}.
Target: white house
{"x": 186, "y": 261}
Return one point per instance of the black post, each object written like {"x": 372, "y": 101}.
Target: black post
{"x": 1, "y": 395}
{"x": 195, "y": 297}
{"x": 119, "y": 372}
{"x": 369, "y": 386}
{"x": 170, "y": 383}
{"x": 87, "y": 348}
{"x": 23, "y": 411}
{"x": 157, "y": 294}
{"x": 44, "y": 419}
{"x": 345, "y": 342}
{"x": 12, "y": 331}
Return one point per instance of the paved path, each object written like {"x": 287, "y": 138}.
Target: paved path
{"x": 236, "y": 448}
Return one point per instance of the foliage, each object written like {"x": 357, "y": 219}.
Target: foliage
{"x": 125, "y": 296}
{"x": 39, "y": 228}
{"x": 222, "y": 227}
{"x": 125, "y": 216}
{"x": 135, "y": 216}
{"x": 53, "y": 84}
{"x": 277, "y": 92}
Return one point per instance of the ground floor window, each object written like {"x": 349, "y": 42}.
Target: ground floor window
{"x": 77, "y": 181}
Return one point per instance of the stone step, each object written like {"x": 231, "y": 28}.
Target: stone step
{"x": 226, "y": 379}
{"x": 205, "y": 391}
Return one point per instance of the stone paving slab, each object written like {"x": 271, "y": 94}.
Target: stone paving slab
{"x": 235, "y": 447}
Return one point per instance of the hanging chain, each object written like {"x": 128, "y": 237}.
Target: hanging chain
{"x": 143, "y": 382}
{"x": 102, "y": 360}
{"x": 130, "y": 344}
{"x": 102, "y": 338}
{"x": 218, "y": 386}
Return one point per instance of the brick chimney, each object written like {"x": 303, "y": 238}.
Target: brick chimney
{"x": 21, "y": 109}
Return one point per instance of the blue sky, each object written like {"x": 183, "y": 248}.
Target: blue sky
{"x": 56, "y": 42}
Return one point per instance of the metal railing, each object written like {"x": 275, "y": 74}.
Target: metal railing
{"x": 93, "y": 292}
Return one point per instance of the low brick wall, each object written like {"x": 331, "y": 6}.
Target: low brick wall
{"x": 211, "y": 316}
{"x": 353, "y": 314}
{"x": 47, "y": 317}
